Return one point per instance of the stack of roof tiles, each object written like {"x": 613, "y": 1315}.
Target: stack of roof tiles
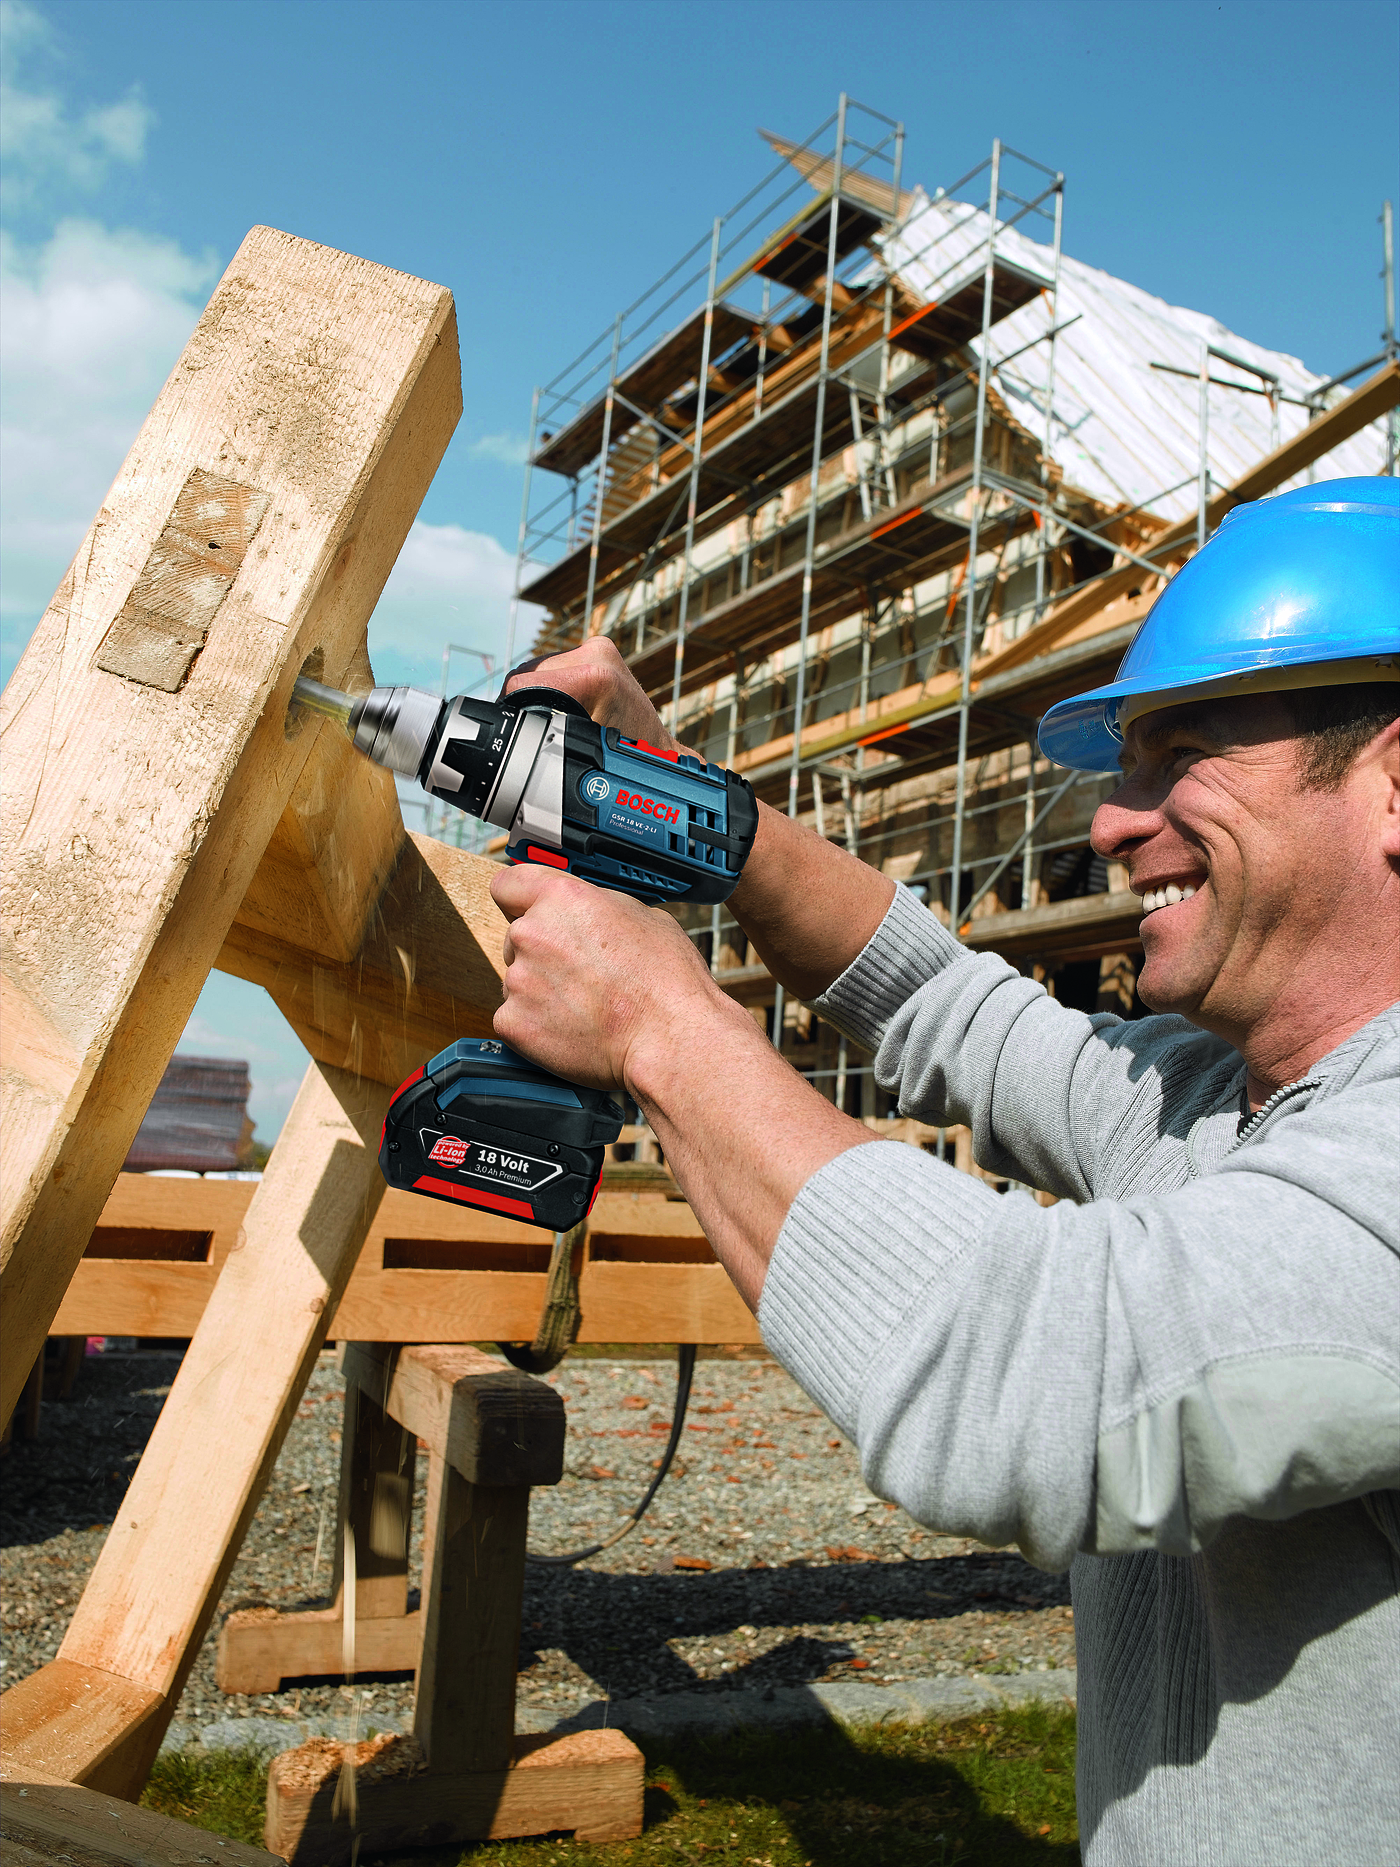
{"x": 198, "y": 1119}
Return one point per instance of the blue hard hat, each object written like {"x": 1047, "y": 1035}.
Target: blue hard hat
{"x": 1301, "y": 590}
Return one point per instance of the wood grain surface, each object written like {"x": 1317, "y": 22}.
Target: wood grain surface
{"x": 46, "y": 1820}
{"x": 259, "y": 1647}
{"x": 495, "y": 1424}
{"x": 134, "y": 817}
{"x": 168, "y": 1554}
{"x": 589, "y": 1782}
{"x": 427, "y": 972}
{"x": 630, "y": 1291}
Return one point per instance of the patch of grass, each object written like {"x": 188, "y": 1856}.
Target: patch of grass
{"x": 224, "y": 1791}
{"x": 993, "y": 1791}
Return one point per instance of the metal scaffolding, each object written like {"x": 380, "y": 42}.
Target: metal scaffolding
{"x": 790, "y": 454}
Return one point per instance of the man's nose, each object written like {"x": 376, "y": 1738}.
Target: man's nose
{"x": 1116, "y": 827}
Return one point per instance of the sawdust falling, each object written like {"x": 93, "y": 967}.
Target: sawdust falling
{"x": 345, "y": 1804}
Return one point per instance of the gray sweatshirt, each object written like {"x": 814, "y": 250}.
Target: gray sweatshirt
{"x": 1185, "y": 1389}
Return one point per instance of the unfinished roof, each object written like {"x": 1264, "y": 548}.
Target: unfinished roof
{"x": 1122, "y": 432}
{"x": 671, "y": 361}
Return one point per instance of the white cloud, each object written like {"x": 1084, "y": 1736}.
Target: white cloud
{"x": 44, "y": 145}
{"x": 508, "y": 449}
{"x": 449, "y": 585}
{"x": 91, "y": 322}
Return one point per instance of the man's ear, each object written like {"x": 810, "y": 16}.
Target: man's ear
{"x": 1384, "y": 753}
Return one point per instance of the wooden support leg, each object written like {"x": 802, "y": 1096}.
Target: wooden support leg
{"x": 97, "y": 1713}
{"x": 464, "y": 1718}
{"x": 376, "y": 1478}
{"x": 61, "y": 1378}
{"x": 259, "y": 1648}
{"x": 492, "y": 1431}
{"x": 32, "y": 1402}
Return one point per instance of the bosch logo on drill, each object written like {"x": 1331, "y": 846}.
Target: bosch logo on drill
{"x": 449, "y": 1151}
{"x": 596, "y": 788}
{"x": 648, "y": 806}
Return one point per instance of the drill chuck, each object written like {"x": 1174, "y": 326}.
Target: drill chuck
{"x": 393, "y": 725}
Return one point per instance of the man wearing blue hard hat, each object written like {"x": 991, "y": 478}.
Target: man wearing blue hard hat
{"x": 1182, "y": 1382}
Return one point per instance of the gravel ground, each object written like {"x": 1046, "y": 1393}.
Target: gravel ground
{"x": 764, "y": 1563}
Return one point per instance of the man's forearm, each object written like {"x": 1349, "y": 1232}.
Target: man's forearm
{"x": 808, "y": 907}
{"x": 741, "y": 1131}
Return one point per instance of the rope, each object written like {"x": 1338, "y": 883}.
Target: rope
{"x": 562, "y": 1313}
{"x": 558, "y": 1330}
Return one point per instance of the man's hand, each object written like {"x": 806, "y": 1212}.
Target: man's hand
{"x": 606, "y": 992}
{"x": 596, "y": 675}
{"x": 807, "y": 907}
{"x": 590, "y": 973}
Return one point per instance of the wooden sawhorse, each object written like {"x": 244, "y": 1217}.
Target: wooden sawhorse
{"x": 491, "y": 1433}
{"x": 165, "y": 812}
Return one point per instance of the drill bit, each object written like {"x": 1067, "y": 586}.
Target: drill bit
{"x": 326, "y": 700}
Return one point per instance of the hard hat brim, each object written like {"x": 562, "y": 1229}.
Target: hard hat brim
{"x": 1084, "y": 732}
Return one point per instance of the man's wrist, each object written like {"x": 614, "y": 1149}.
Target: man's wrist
{"x": 706, "y": 1024}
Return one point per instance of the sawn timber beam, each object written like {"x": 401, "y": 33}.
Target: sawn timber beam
{"x": 427, "y": 969}
{"x": 147, "y": 755}
{"x": 427, "y": 1272}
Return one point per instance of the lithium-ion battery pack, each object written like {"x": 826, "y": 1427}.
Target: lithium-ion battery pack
{"x": 481, "y": 1126}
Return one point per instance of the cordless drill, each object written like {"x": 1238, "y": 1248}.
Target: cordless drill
{"x": 479, "y": 1124}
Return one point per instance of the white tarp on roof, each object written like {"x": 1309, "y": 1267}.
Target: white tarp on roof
{"x": 1120, "y": 431}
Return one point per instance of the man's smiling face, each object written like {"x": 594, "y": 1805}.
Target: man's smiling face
{"x": 1211, "y": 805}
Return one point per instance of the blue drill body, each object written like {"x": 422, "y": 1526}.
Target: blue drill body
{"x": 480, "y": 1125}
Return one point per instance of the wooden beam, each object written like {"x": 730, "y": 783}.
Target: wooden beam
{"x": 589, "y": 1782}
{"x": 496, "y": 1424}
{"x": 260, "y": 1647}
{"x": 492, "y": 1431}
{"x": 43, "y": 1819}
{"x": 150, "y": 1203}
{"x": 169, "y": 1552}
{"x": 147, "y": 761}
{"x": 464, "y": 1709}
{"x": 427, "y": 971}
{"x": 1363, "y": 406}
{"x": 334, "y": 850}
{"x": 77, "y": 1722}
{"x": 651, "y": 1268}
{"x": 378, "y": 1458}
{"x": 622, "y": 1302}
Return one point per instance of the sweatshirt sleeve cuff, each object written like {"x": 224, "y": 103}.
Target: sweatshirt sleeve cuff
{"x": 873, "y": 1234}
{"x": 908, "y": 947}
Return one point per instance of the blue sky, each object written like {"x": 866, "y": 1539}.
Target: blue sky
{"x": 547, "y": 159}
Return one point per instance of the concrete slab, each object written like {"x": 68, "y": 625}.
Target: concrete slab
{"x": 676, "y": 1714}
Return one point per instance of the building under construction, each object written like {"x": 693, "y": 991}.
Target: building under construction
{"x": 869, "y": 479}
